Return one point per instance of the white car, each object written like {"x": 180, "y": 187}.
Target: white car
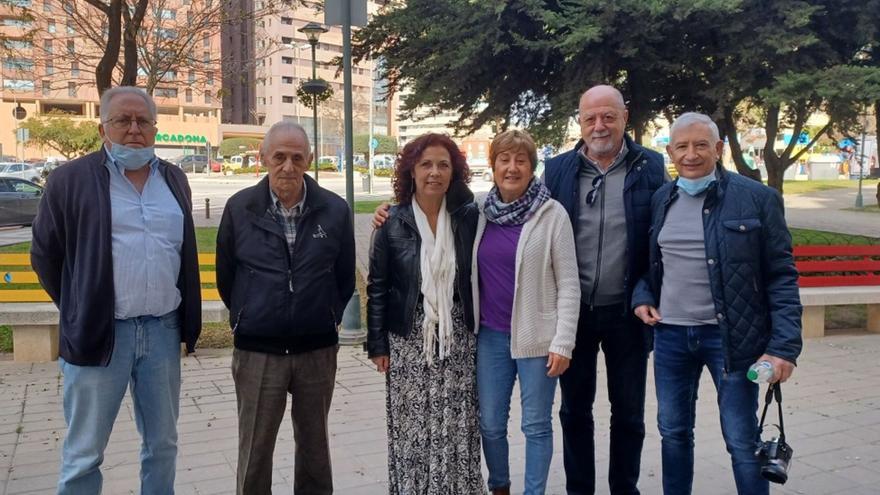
{"x": 24, "y": 171}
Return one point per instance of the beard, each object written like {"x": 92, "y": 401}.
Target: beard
{"x": 601, "y": 145}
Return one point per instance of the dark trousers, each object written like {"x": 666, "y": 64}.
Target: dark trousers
{"x": 262, "y": 382}
{"x": 622, "y": 339}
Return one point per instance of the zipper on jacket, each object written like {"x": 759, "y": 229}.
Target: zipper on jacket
{"x": 237, "y": 319}
{"x": 290, "y": 280}
{"x": 599, "y": 251}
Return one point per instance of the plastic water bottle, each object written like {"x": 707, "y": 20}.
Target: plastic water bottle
{"x": 760, "y": 372}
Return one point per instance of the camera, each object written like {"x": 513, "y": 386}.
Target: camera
{"x": 775, "y": 457}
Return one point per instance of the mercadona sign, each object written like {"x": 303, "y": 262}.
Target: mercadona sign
{"x": 181, "y": 138}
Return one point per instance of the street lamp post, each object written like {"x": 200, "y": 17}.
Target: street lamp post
{"x": 315, "y": 86}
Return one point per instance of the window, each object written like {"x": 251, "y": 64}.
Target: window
{"x": 71, "y": 89}
{"x": 51, "y": 26}
{"x": 166, "y": 14}
{"x": 286, "y": 99}
{"x": 47, "y": 5}
{"x": 165, "y": 92}
{"x": 261, "y": 100}
{"x": 210, "y": 78}
{"x": 74, "y": 69}
{"x": 207, "y": 98}
{"x": 206, "y": 57}
{"x": 47, "y": 46}
{"x": 50, "y": 67}
{"x": 17, "y": 44}
{"x": 287, "y": 60}
{"x": 70, "y": 47}
{"x": 18, "y": 64}
{"x": 206, "y": 41}
{"x": 142, "y": 72}
{"x": 70, "y": 29}
{"x": 19, "y": 3}
{"x": 47, "y": 86}
{"x": 167, "y": 34}
{"x": 286, "y": 40}
{"x": 169, "y": 75}
{"x": 287, "y": 21}
{"x": 189, "y": 96}
{"x": 67, "y": 5}
{"x": 15, "y": 22}
{"x": 189, "y": 17}
{"x": 286, "y": 80}
{"x": 191, "y": 78}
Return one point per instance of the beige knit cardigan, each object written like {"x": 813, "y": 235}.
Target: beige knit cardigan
{"x": 547, "y": 293}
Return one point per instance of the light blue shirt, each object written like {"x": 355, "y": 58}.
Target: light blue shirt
{"x": 147, "y": 237}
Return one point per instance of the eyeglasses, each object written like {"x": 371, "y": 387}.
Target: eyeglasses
{"x": 122, "y": 124}
{"x": 594, "y": 193}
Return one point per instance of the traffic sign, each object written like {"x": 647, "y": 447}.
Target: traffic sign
{"x": 374, "y": 143}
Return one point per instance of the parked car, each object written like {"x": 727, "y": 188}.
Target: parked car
{"x": 18, "y": 201}
{"x": 383, "y": 161}
{"x": 21, "y": 171}
{"x": 48, "y": 168}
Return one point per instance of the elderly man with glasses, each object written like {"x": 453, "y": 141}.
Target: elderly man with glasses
{"x": 114, "y": 246}
{"x": 605, "y": 183}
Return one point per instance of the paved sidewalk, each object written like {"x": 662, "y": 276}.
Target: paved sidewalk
{"x": 826, "y": 210}
{"x": 832, "y": 413}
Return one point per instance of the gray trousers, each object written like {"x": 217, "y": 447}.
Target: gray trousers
{"x": 262, "y": 382}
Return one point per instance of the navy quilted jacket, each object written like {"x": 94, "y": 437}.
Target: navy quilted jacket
{"x": 645, "y": 175}
{"x": 751, "y": 268}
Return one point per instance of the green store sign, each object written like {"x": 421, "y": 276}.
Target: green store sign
{"x": 181, "y": 138}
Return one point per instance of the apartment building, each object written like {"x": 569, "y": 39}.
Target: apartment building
{"x": 265, "y": 91}
{"x": 50, "y": 52}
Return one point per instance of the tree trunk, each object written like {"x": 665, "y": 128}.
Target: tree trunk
{"x": 729, "y": 127}
{"x": 129, "y": 44}
{"x": 638, "y": 132}
{"x": 105, "y": 67}
{"x": 776, "y": 167}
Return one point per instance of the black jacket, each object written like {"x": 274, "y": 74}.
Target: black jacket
{"x": 751, "y": 268}
{"x": 278, "y": 305}
{"x": 72, "y": 256}
{"x": 395, "y": 278}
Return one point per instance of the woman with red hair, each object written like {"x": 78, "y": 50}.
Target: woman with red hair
{"x": 420, "y": 319}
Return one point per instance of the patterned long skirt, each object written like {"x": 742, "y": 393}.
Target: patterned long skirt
{"x": 433, "y": 422}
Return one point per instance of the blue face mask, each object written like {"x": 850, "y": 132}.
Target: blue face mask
{"x": 131, "y": 158}
{"x": 696, "y": 186}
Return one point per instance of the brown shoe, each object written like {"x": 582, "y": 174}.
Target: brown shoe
{"x": 501, "y": 491}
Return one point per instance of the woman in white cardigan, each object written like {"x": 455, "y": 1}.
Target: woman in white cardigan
{"x": 526, "y": 301}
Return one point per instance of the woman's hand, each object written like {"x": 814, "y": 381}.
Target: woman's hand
{"x": 648, "y": 314}
{"x": 557, "y": 364}
{"x": 381, "y": 363}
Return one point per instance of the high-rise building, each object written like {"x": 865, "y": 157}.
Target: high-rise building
{"x": 50, "y": 49}
{"x": 265, "y": 91}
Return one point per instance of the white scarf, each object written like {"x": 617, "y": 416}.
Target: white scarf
{"x": 437, "y": 264}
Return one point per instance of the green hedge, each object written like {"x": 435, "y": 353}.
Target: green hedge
{"x": 378, "y": 172}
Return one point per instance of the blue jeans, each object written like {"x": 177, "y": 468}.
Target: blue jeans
{"x": 146, "y": 359}
{"x": 679, "y": 356}
{"x": 496, "y": 372}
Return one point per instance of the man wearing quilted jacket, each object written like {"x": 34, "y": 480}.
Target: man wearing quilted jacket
{"x": 721, "y": 292}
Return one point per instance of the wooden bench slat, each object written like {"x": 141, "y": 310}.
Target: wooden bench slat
{"x": 839, "y": 281}
{"x": 805, "y": 251}
{"x": 838, "y": 266}
{"x": 24, "y": 295}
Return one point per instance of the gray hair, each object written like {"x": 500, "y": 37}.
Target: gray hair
{"x": 688, "y": 119}
{"x": 111, "y": 93}
{"x": 288, "y": 126}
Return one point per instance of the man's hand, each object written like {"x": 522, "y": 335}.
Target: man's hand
{"x": 782, "y": 369}
{"x": 381, "y": 215}
{"x": 648, "y": 314}
{"x": 381, "y": 363}
{"x": 557, "y": 364}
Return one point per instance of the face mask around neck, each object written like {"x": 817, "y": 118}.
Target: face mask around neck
{"x": 131, "y": 158}
{"x": 694, "y": 187}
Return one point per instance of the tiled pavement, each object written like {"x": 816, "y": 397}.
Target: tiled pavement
{"x": 832, "y": 413}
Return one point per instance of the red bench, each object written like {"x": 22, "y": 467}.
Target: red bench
{"x": 837, "y": 275}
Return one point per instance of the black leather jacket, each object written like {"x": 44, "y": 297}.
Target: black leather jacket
{"x": 395, "y": 277}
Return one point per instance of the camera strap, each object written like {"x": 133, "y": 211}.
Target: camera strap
{"x": 773, "y": 391}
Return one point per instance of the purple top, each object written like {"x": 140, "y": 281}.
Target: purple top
{"x": 496, "y": 260}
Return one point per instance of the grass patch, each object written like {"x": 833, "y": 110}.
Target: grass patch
{"x": 215, "y": 335}
{"x": 368, "y": 206}
{"x": 808, "y": 186}
{"x": 806, "y": 237}
{"x": 5, "y": 339}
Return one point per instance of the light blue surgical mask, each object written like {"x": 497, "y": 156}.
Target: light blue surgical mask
{"x": 131, "y": 158}
{"x": 695, "y": 186}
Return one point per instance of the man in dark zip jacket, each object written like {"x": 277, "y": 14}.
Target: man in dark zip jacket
{"x": 285, "y": 270}
{"x": 114, "y": 246}
{"x": 721, "y": 293}
{"x": 606, "y": 184}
